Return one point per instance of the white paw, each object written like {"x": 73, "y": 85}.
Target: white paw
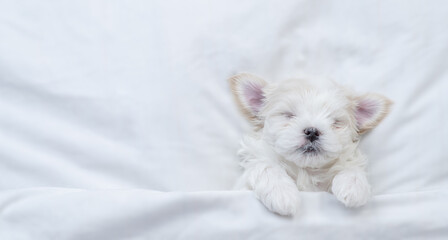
{"x": 351, "y": 188}
{"x": 283, "y": 201}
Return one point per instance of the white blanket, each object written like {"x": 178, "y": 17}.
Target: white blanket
{"x": 116, "y": 119}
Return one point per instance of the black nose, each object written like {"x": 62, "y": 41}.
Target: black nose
{"x": 311, "y": 134}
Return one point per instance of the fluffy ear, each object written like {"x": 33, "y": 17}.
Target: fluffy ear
{"x": 248, "y": 92}
{"x": 370, "y": 110}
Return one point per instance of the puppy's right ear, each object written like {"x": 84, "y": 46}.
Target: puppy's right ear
{"x": 249, "y": 95}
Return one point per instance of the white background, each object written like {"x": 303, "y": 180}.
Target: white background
{"x": 117, "y": 122}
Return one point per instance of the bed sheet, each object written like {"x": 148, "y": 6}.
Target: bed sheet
{"x": 117, "y": 122}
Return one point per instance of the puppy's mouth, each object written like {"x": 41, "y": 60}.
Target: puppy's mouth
{"x": 310, "y": 149}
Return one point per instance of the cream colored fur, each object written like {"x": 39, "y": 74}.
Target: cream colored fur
{"x": 276, "y": 155}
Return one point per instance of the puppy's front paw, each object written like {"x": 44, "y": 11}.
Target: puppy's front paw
{"x": 351, "y": 188}
{"x": 283, "y": 201}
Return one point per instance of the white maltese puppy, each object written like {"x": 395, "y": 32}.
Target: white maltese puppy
{"x": 305, "y": 138}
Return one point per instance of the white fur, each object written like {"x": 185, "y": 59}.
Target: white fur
{"x": 273, "y": 155}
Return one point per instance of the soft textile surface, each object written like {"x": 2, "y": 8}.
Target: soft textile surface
{"x": 116, "y": 119}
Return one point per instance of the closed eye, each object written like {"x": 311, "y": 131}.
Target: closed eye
{"x": 288, "y": 114}
{"x": 338, "y": 123}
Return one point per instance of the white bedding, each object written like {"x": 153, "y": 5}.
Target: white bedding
{"x": 116, "y": 120}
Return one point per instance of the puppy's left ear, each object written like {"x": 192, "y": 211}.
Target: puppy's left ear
{"x": 370, "y": 110}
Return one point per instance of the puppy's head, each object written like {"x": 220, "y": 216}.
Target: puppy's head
{"x": 308, "y": 124}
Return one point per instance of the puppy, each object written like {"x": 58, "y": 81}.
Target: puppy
{"x": 305, "y": 138}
